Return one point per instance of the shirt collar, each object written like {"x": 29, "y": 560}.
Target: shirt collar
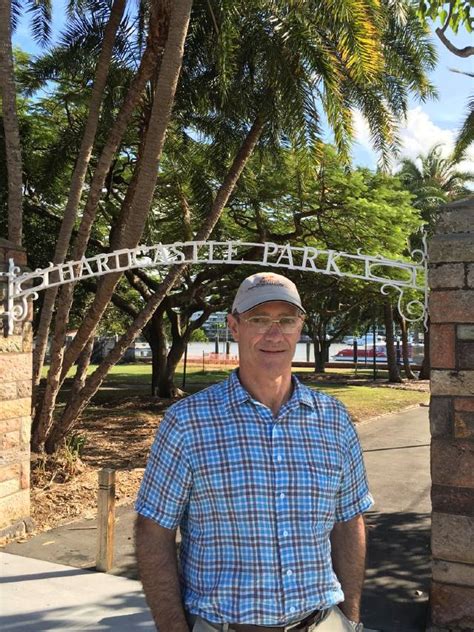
{"x": 301, "y": 394}
{"x": 237, "y": 393}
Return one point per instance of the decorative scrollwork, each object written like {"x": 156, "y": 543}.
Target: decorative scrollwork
{"x": 411, "y": 310}
{"x": 20, "y": 310}
{"x": 421, "y": 253}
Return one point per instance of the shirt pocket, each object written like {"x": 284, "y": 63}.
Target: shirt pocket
{"x": 325, "y": 484}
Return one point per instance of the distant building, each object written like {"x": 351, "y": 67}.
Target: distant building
{"x": 216, "y": 326}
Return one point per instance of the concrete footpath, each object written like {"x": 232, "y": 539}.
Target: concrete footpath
{"x": 48, "y": 582}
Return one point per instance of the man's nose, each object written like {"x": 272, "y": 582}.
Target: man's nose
{"x": 274, "y": 331}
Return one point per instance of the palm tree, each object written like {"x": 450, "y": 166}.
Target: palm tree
{"x": 434, "y": 179}
{"x": 153, "y": 146}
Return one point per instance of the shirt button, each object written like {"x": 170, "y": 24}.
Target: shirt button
{"x": 289, "y": 573}
{"x": 285, "y": 533}
{"x": 282, "y": 495}
{"x": 292, "y": 609}
{"x": 279, "y": 458}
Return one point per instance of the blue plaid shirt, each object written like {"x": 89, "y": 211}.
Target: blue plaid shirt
{"x": 256, "y": 497}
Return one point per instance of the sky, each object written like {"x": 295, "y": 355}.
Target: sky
{"x": 436, "y": 121}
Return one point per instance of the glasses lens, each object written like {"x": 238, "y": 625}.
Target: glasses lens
{"x": 260, "y": 324}
{"x": 289, "y": 324}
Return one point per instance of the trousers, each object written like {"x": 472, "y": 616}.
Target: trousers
{"x": 334, "y": 621}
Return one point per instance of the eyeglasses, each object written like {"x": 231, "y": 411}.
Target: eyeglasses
{"x": 262, "y": 324}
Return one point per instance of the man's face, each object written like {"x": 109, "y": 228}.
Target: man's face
{"x": 272, "y": 351}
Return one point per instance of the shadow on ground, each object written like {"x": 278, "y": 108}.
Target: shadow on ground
{"x": 121, "y": 613}
{"x": 398, "y": 574}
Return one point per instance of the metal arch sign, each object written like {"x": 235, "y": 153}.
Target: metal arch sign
{"x": 390, "y": 273}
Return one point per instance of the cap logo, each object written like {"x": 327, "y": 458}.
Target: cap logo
{"x": 267, "y": 281}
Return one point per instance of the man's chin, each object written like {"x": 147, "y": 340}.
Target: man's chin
{"x": 275, "y": 359}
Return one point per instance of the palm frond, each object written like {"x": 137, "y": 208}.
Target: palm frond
{"x": 15, "y": 15}
{"x": 41, "y": 12}
{"x": 466, "y": 134}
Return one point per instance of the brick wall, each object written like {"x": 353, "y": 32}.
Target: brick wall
{"x": 15, "y": 420}
{"x": 451, "y": 280}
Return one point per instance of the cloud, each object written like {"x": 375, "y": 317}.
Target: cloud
{"x": 418, "y": 134}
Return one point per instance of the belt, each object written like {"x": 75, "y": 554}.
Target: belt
{"x": 299, "y": 626}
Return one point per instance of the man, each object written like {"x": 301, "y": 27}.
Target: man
{"x": 266, "y": 480}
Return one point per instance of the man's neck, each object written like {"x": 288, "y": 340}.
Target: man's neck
{"x": 271, "y": 391}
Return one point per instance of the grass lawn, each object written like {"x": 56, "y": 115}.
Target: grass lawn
{"x": 363, "y": 401}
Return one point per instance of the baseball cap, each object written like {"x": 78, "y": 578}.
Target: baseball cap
{"x": 264, "y": 287}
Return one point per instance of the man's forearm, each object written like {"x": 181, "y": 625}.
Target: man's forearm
{"x": 158, "y": 570}
{"x": 348, "y": 542}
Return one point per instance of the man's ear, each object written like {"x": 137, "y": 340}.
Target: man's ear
{"x": 233, "y": 325}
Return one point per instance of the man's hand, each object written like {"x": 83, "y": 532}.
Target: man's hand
{"x": 158, "y": 570}
{"x": 348, "y": 542}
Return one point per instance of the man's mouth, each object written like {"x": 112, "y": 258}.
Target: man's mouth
{"x": 273, "y": 350}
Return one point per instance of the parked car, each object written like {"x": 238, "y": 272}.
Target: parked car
{"x": 347, "y": 354}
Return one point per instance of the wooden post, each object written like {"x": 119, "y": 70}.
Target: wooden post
{"x": 105, "y": 520}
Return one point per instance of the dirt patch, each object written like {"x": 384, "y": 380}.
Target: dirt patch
{"x": 116, "y": 435}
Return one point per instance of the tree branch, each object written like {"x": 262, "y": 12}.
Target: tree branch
{"x": 467, "y": 51}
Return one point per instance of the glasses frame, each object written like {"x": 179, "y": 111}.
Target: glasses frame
{"x": 300, "y": 317}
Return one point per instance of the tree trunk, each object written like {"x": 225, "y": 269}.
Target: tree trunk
{"x": 166, "y": 386}
{"x": 82, "y": 366}
{"x": 393, "y": 370}
{"x": 321, "y": 351}
{"x": 405, "y": 345}
{"x": 154, "y": 333}
{"x": 77, "y": 181}
{"x": 133, "y": 221}
{"x": 93, "y": 382}
{"x": 426, "y": 365}
{"x": 11, "y": 128}
{"x": 159, "y": 360}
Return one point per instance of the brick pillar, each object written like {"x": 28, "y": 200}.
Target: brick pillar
{"x": 451, "y": 280}
{"x": 15, "y": 410}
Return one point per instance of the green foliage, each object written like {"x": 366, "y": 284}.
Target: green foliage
{"x": 74, "y": 445}
{"x": 199, "y": 335}
{"x": 456, "y": 13}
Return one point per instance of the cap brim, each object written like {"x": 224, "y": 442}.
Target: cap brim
{"x": 248, "y": 305}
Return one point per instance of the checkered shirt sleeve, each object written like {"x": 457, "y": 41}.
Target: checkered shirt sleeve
{"x": 353, "y": 497}
{"x": 166, "y": 484}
